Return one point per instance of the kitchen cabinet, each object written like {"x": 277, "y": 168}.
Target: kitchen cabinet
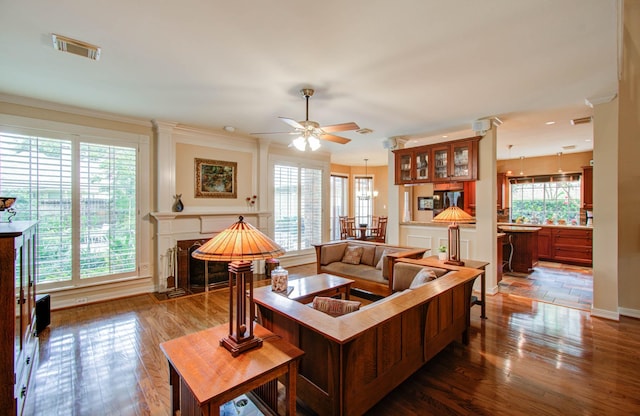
{"x": 451, "y": 161}
{"x": 412, "y": 165}
{"x": 524, "y": 242}
{"x": 500, "y": 185}
{"x": 469, "y": 188}
{"x": 572, "y": 245}
{"x": 565, "y": 244}
{"x": 544, "y": 243}
{"x": 587, "y": 187}
{"x": 18, "y": 345}
{"x": 455, "y": 161}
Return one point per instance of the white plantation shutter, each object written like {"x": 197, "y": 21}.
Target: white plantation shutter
{"x": 83, "y": 196}
{"x": 297, "y": 206}
{"x": 339, "y": 203}
{"x": 107, "y": 210}
{"x": 38, "y": 172}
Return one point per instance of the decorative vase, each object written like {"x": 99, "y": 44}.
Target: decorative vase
{"x": 442, "y": 256}
{"x": 178, "y": 206}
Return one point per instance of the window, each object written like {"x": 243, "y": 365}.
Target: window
{"x": 339, "y": 203}
{"x": 297, "y": 206}
{"x": 83, "y": 193}
{"x": 364, "y": 199}
{"x": 546, "y": 199}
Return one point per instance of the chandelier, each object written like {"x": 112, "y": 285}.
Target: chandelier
{"x": 365, "y": 192}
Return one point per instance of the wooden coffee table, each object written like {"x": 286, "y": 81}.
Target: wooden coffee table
{"x": 324, "y": 284}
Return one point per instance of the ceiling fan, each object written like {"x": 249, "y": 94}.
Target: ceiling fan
{"x": 310, "y": 132}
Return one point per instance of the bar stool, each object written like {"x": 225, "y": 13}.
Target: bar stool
{"x": 509, "y": 245}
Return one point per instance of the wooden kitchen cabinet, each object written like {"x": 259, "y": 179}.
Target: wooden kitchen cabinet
{"x": 573, "y": 245}
{"x": 544, "y": 243}
{"x": 18, "y": 345}
{"x": 500, "y": 185}
{"x": 412, "y": 165}
{"x": 456, "y": 160}
{"x": 451, "y": 161}
{"x": 587, "y": 187}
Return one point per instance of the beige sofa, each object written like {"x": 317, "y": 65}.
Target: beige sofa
{"x": 372, "y": 271}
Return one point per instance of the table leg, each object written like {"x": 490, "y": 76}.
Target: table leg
{"x": 291, "y": 378}
{"x": 483, "y": 293}
{"x": 174, "y": 382}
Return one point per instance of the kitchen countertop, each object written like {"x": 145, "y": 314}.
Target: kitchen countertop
{"x": 545, "y": 225}
{"x": 518, "y": 229}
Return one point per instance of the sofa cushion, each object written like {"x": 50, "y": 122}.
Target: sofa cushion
{"x": 335, "y": 307}
{"x": 368, "y": 255}
{"x": 424, "y": 276}
{"x": 332, "y": 252}
{"x": 404, "y": 273}
{"x": 352, "y": 255}
{"x": 361, "y": 271}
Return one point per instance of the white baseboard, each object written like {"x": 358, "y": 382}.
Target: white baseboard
{"x": 90, "y": 294}
{"x": 632, "y": 313}
{"x": 603, "y": 313}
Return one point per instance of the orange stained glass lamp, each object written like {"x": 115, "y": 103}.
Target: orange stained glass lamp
{"x": 240, "y": 244}
{"x": 454, "y": 216}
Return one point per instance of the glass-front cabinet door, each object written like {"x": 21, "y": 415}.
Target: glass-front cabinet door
{"x": 441, "y": 163}
{"x": 422, "y": 165}
{"x": 463, "y": 165}
{"x": 404, "y": 167}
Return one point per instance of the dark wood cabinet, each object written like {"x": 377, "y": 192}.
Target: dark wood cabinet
{"x": 455, "y": 161}
{"x": 452, "y": 161}
{"x": 18, "y": 352}
{"x": 573, "y": 245}
{"x": 544, "y": 243}
{"x": 469, "y": 188}
{"x": 500, "y": 185}
{"x": 587, "y": 187}
{"x": 566, "y": 245}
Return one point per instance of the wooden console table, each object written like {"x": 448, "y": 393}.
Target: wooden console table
{"x": 203, "y": 375}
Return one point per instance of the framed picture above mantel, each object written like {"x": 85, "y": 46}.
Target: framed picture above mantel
{"x": 215, "y": 179}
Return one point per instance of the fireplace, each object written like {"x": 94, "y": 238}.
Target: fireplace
{"x": 191, "y": 272}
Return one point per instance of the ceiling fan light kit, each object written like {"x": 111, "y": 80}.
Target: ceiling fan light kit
{"x": 311, "y": 132}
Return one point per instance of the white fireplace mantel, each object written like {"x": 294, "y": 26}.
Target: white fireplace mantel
{"x": 175, "y": 226}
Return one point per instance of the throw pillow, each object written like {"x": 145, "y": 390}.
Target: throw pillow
{"x": 332, "y": 252}
{"x": 383, "y": 258}
{"x": 423, "y": 276}
{"x": 335, "y": 307}
{"x": 352, "y": 255}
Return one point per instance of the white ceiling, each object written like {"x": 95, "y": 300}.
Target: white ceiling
{"x": 415, "y": 68}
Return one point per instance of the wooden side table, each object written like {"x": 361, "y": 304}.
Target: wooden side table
{"x": 203, "y": 375}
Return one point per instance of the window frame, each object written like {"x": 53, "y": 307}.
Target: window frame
{"x": 76, "y": 134}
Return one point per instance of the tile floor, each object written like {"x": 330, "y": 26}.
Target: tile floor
{"x": 559, "y": 284}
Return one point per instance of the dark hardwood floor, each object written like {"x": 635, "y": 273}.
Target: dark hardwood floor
{"x": 527, "y": 358}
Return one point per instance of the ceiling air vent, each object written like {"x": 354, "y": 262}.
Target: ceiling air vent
{"x": 582, "y": 120}
{"x": 364, "y": 131}
{"x": 76, "y": 47}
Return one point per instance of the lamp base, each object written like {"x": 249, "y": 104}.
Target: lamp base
{"x": 236, "y": 348}
{"x": 454, "y": 262}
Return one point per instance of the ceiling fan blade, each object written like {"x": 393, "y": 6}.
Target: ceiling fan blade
{"x": 340, "y": 127}
{"x": 292, "y": 122}
{"x": 335, "y": 139}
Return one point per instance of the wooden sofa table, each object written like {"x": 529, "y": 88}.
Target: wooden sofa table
{"x": 204, "y": 375}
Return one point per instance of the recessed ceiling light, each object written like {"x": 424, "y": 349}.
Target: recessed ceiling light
{"x": 587, "y": 140}
{"x": 444, "y": 137}
{"x": 548, "y": 123}
{"x": 230, "y": 129}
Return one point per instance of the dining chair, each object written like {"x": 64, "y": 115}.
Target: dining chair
{"x": 344, "y": 232}
{"x": 379, "y": 234}
{"x": 352, "y": 232}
